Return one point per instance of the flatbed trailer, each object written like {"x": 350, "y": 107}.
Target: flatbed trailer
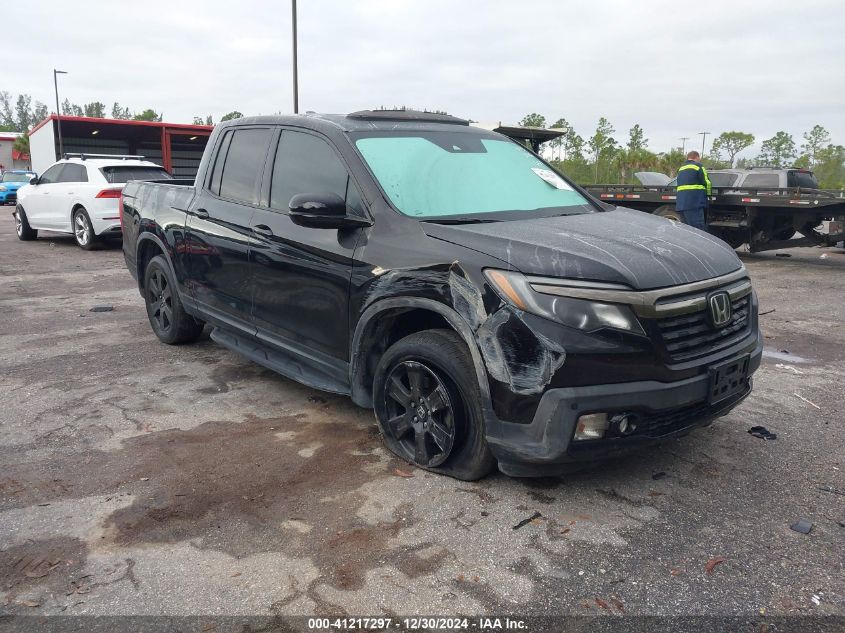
{"x": 765, "y": 218}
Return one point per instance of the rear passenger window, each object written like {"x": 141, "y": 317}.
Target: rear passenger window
{"x": 214, "y": 185}
{"x": 73, "y": 173}
{"x": 244, "y": 164}
{"x": 307, "y": 164}
{"x": 761, "y": 180}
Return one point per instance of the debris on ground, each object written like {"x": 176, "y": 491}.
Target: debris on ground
{"x": 763, "y": 433}
{"x": 766, "y": 312}
{"x": 783, "y": 254}
{"x": 791, "y": 368}
{"x": 831, "y": 489}
{"x": 525, "y": 522}
{"x": 813, "y": 404}
{"x": 28, "y": 603}
{"x": 823, "y": 256}
{"x": 316, "y": 400}
{"x": 659, "y": 475}
{"x": 711, "y": 564}
{"x": 816, "y": 599}
{"x": 802, "y": 525}
{"x": 102, "y": 308}
{"x": 403, "y": 473}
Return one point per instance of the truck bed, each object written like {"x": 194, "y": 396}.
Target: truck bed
{"x": 146, "y": 204}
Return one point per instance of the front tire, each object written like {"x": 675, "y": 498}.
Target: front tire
{"x": 170, "y": 322}
{"x": 22, "y": 228}
{"x": 428, "y": 405}
{"x": 83, "y": 230}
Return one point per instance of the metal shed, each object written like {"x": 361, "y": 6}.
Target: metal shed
{"x": 177, "y": 147}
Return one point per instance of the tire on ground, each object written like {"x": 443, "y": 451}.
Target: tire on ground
{"x": 81, "y": 225}
{"x": 445, "y": 353}
{"x": 161, "y": 295}
{"x": 22, "y": 228}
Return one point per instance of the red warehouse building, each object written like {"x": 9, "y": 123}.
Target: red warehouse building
{"x": 177, "y": 147}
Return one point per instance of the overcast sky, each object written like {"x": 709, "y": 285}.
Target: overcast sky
{"x": 677, "y": 68}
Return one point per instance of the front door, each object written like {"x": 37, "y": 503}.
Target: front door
{"x": 39, "y": 202}
{"x": 220, "y": 231}
{"x": 301, "y": 275}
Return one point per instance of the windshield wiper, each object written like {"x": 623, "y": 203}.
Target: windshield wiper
{"x": 460, "y": 220}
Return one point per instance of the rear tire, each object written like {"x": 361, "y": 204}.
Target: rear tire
{"x": 83, "y": 230}
{"x": 170, "y": 322}
{"x": 669, "y": 212}
{"x": 428, "y": 405}
{"x": 22, "y": 228}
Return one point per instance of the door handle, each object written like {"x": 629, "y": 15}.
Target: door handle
{"x": 202, "y": 214}
{"x": 263, "y": 229}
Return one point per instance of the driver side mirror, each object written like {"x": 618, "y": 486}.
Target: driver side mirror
{"x": 322, "y": 211}
{"x": 34, "y": 181}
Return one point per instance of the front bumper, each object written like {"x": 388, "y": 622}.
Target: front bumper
{"x": 545, "y": 446}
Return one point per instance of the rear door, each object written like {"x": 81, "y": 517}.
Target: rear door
{"x": 301, "y": 275}
{"x": 73, "y": 178}
{"x": 38, "y": 201}
{"x": 219, "y": 229}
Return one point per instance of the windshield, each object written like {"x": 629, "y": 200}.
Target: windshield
{"x": 440, "y": 174}
{"x": 134, "y": 172}
{"x": 12, "y": 177}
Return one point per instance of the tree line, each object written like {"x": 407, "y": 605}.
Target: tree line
{"x": 598, "y": 158}
{"x": 601, "y": 158}
{"x": 21, "y": 114}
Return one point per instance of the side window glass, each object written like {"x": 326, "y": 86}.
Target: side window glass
{"x": 761, "y": 180}
{"x": 244, "y": 164}
{"x": 353, "y": 199}
{"x": 51, "y": 175}
{"x": 307, "y": 164}
{"x": 214, "y": 186}
{"x": 73, "y": 173}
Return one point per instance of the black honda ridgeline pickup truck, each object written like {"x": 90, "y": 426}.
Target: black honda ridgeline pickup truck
{"x": 489, "y": 310}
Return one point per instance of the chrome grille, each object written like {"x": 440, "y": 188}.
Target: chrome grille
{"x": 688, "y": 336}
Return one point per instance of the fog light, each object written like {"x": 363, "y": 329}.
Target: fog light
{"x": 591, "y": 426}
{"x": 623, "y": 424}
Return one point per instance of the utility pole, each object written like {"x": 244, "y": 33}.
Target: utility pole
{"x": 703, "y": 139}
{"x": 684, "y": 140}
{"x": 59, "y": 112}
{"x": 295, "y": 71}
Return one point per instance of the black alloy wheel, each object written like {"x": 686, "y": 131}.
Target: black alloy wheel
{"x": 160, "y": 298}
{"x": 420, "y": 414}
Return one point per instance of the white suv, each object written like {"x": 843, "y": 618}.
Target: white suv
{"x": 80, "y": 195}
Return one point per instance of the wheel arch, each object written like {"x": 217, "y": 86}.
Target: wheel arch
{"x": 386, "y": 321}
{"x": 149, "y": 246}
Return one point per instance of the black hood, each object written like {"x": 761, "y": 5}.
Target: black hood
{"x": 620, "y": 246}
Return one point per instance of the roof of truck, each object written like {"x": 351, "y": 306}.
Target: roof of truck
{"x": 365, "y": 120}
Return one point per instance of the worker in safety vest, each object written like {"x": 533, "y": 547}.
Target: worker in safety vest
{"x": 693, "y": 191}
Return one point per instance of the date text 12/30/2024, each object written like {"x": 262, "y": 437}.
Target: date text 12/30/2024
{"x": 417, "y": 623}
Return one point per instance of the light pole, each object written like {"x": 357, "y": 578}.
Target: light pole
{"x": 58, "y": 112}
{"x": 295, "y": 72}
{"x": 703, "y": 139}
{"x": 684, "y": 140}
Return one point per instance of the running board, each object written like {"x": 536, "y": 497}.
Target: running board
{"x": 283, "y": 364}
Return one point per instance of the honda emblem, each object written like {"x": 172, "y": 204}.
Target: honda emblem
{"x": 720, "y": 308}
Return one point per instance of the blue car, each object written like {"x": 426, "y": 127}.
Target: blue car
{"x": 11, "y": 181}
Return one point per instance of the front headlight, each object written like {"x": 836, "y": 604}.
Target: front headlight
{"x": 588, "y": 316}
{"x": 2, "y": 188}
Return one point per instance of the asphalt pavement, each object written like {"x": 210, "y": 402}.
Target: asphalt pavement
{"x": 139, "y": 478}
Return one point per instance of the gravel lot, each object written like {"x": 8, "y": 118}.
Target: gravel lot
{"x": 137, "y": 478}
